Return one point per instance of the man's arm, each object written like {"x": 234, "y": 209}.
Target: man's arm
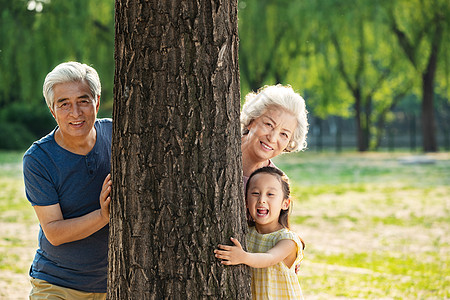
{"x": 59, "y": 231}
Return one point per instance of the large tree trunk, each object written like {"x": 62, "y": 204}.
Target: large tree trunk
{"x": 176, "y": 160}
{"x": 435, "y": 32}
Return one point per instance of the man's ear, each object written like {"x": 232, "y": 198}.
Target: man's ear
{"x": 286, "y": 203}
{"x": 53, "y": 114}
{"x": 97, "y": 106}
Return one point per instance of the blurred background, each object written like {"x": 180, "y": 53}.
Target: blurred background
{"x": 371, "y": 192}
{"x": 375, "y": 74}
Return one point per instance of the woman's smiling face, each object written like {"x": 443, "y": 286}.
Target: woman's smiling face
{"x": 270, "y": 133}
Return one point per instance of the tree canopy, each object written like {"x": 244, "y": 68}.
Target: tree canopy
{"x": 352, "y": 59}
{"x": 37, "y": 35}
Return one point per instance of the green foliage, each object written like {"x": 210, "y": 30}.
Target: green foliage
{"x": 33, "y": 41}
{"x": 21, "y": 124}
{"x": 331, "y": 51}
{"x": 344, "y": 56}
{"x": 14, "y": 136}
{"x": 35, "y": 117}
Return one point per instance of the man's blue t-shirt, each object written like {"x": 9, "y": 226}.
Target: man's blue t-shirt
{"x": 54, "y": 175}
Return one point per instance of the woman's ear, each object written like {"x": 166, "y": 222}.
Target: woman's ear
{"x": 286, "y": 203}
{"x": 250, "y": 125}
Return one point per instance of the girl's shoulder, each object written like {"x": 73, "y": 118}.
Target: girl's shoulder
{"x": 276, "y": 236}
{"x": 286, "y": 234}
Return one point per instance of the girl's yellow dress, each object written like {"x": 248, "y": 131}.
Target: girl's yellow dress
{"x": 277, "y": 281}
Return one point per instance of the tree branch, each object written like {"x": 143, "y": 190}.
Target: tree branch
{"x": 403, "y": 40}
{"x": 341, "y": 63}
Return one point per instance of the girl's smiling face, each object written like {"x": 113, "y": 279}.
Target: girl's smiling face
{"x": 270, "y": 133}
{"x": 265, "y": 200}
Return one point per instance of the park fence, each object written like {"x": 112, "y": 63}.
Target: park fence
{"x": 403, "y": 133}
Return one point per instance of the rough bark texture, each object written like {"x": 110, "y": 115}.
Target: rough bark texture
{"x": 176, "y": 161}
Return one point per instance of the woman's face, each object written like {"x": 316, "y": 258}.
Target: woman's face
{"x": 270, "y": 133}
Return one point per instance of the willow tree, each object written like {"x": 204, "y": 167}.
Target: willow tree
{"x": 271, "y": 35}
{"x": 176, "y": 162}
{"x": 35, "y": 36}
{"x": 422, "y": 30}
{"x": 353, "y": 65}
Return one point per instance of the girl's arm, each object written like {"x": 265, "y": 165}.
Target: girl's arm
{"x": 284, "y": 250}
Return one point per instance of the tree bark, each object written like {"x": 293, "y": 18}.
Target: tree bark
{"x": 176, "y": 160}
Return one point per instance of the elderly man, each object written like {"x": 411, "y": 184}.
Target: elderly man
{"x": 67, "y": 181}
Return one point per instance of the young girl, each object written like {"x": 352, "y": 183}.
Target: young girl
{"x": 274, "y": 250}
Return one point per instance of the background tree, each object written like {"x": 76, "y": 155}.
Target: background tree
{"x": 345, "y": 57}
{"x": 422, "y": 31}
{"x": 352, "y": 66}
{"x": 270, "y": 34}
{"x": 177, "y": 180}
{"x": 35, "y": 36}
{"x": 281, "y": 41}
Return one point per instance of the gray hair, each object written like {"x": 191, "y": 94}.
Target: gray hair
{"x": 273, "y": 96}
{"x": 71, "y": 72}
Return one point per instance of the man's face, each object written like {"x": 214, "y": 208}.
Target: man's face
{"x": 74, "y": 109}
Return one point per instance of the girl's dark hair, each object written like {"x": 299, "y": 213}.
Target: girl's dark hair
{"x": 284, "y": 215}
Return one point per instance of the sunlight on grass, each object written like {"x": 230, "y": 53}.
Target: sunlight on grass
{"x": 14, "y": 206}
{"x": 374, "y": 228}
{"x": 17, "y": 218}
{"x": 407, "y": 276}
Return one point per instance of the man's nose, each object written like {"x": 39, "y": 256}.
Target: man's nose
{"x": 76, "y": 111}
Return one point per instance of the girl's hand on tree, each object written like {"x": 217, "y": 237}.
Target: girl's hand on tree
{"x": 231, "y": 255}
{"x": 105, "y": 199}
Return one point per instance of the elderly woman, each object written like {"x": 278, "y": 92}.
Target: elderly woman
{"x": 273, "y": 121}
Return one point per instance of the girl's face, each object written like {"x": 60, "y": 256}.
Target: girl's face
{"x": 265, "y": 200}
{"x": 270, "y": 133}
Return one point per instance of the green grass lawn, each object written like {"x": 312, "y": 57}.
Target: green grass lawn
{"x": 374, "y": 228}
{"x": 19, "y": 225}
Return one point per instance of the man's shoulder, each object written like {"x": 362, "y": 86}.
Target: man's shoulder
{"x": 104, "y": 121}
{"x": 38, "y": 146}
{"x": 104, "y": 125}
